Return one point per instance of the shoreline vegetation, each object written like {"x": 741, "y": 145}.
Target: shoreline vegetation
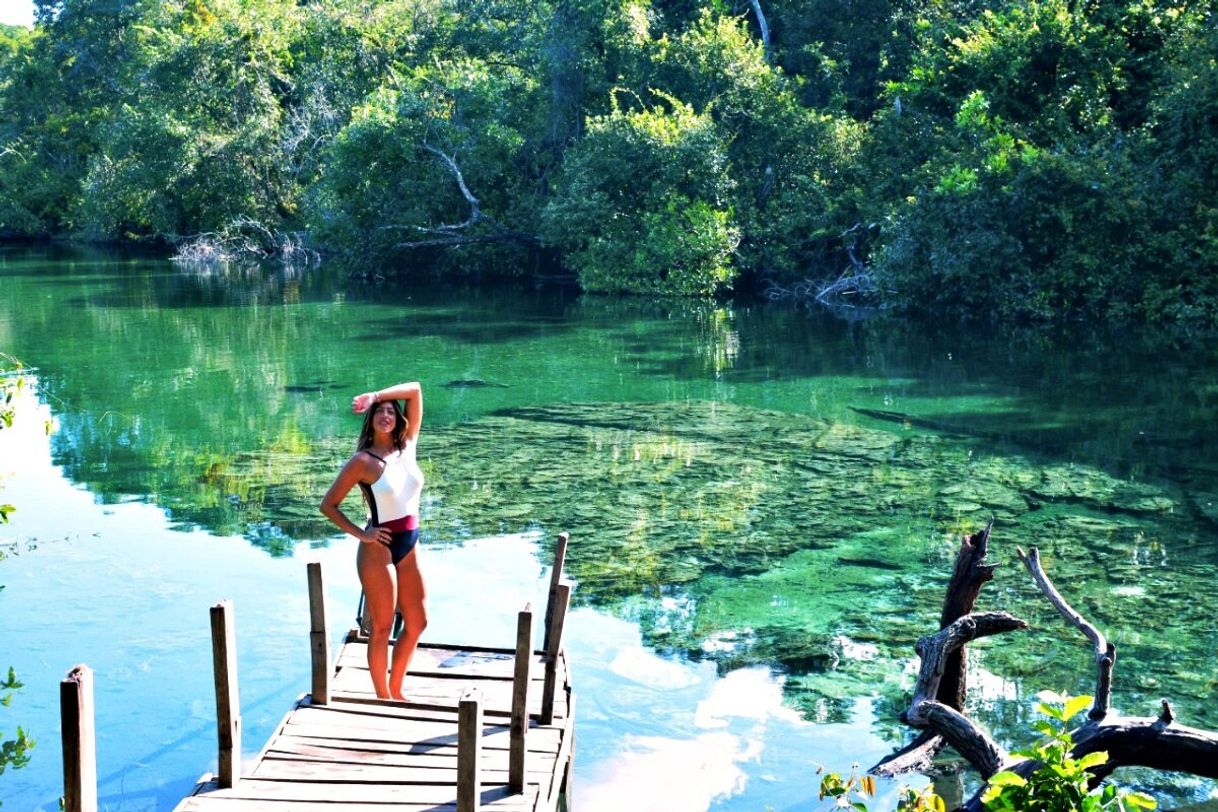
{"x": 1025, "y": 161}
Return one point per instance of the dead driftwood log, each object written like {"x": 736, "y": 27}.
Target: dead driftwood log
{"x": 937, "y": 706}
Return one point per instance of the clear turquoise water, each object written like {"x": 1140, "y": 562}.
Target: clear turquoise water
{"x": 754, "y": 556}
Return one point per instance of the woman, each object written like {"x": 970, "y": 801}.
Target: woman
{"x": 385, "y": 468}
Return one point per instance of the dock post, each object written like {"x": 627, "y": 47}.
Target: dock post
{"x": 520, "y": 699}
{"x": 469, "y": 751}
{"x": 553, "y": 649}
{"x": 560, "y": 557}
{"x": 79, "y": 741}
{"x": 319, "y": 640}
{"x": 228, "y": 706}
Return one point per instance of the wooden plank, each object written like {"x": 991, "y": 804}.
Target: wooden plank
{"x": 444, "y": 757}
{"x": 274, "y": 769}
{"x": 228, "y": 706}
{"x": 211, "y": 803}
{"x": 440, "y": 662}
{"x": 405, "y": 723}
{"x": 355, "y": 685}
{"x": 431, "y": 692}
{"x": 319, "y": 640}
{"x": 520, "y": 696}
{"x": 541, "y": 741}
{"x": 469, "y": 753}
{"x": 332, "y": 714}
{"x": 79, "y": 740}
{"x": 258, "y": 789}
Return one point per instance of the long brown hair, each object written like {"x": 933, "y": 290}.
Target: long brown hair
{"x": 398, "y": 434}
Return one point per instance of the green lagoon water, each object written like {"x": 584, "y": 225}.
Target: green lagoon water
{"x": 754, "y": 556}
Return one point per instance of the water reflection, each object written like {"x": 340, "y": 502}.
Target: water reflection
{"x": 727, "y": 497}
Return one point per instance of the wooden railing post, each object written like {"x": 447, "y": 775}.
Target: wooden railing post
{"x": 560, "y": 557}
{"x": 319, "y": 640}
{"x": 520, "y": 699}
{"x": 553, "y": 649}
{"x": 228, "y": 706}
{"x": 469, "y": 751}
{"x": 79, "y": 741}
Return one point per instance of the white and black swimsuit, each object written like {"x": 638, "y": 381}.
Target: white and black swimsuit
{"x": 393, "y": 499}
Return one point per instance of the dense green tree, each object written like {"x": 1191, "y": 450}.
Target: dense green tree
{"x": 1025, "y": 196}
{"x": 196, "y": 140}
{"x": 432, "y": 159}
{"x": 644, "y": 204}
{"x": 1029, "y": 158}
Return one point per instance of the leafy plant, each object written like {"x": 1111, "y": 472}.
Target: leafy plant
{"x": 12, "y": 751}
{"x": 1061, "y": 782}
{"x": 849, "y": 792}
{"x": 843, "y": 791}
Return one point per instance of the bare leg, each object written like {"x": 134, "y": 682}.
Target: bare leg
{"x": 376, "y": 574}
{"x": 412, "y": 598}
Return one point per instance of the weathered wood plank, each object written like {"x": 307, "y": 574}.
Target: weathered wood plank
{"x": 331, "y": 714}
{"x": 440, "y": 662}
{"x": 430, "y": 692}
{"x": 294, "y": 749}
{"x": 275, "y": 769}
{"x": 545, "y": 741}
{"x": 498, "y": 739}
{"x": 211, "y": 803}
{"x": 259, "y": 789}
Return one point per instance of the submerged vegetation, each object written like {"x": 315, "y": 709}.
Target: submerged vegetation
{"x": 708, "y": 533}
{"x": 1031, "y": 159}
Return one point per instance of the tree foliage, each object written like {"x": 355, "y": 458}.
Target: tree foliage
{"x": 1031, "y": 159}
{"x": 14, "y": 752}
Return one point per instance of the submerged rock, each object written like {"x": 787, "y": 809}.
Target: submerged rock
{"x": 747, "y": 536}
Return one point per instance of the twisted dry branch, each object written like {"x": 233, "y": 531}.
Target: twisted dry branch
{"x": 1158, "y": 743}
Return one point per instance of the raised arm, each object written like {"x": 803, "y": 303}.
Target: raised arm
{"x": 410, "y": 392}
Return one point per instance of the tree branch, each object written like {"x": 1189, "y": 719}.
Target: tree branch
{"x": 936, "y": 650}
{"x": 968, "y": 576}
{"x": 1105, "y": 652}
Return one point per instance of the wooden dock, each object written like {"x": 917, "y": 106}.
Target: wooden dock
{"x": 484, "y": 728}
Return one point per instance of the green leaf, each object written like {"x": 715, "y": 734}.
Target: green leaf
{"x": 1138, "y": 800}
{"x": 1006, "y": 778}
{"x": 1073, "y": 706}
{"x": 1091, "y": 760}
{"x": 1050, "y": 711}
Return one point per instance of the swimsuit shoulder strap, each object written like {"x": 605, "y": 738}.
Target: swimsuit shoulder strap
{"x": 378, "y": 456}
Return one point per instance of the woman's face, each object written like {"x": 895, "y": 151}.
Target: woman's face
{"x": 384, "y": 417}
